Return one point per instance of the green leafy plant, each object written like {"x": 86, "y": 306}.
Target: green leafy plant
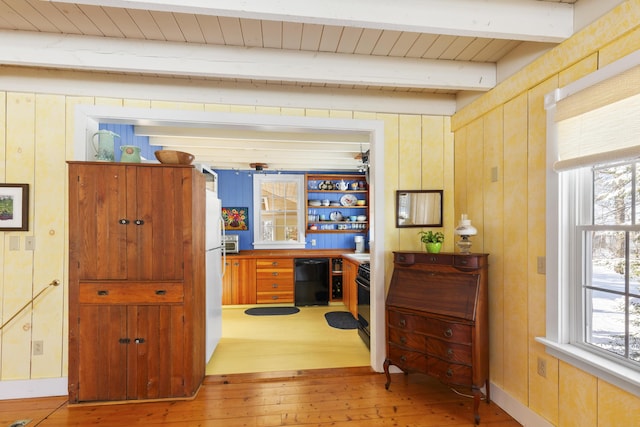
{"x": 431, "y": 237}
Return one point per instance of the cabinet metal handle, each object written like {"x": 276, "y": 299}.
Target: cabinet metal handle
{"x": 123, "y": 221}
{"x": 433, "y": 259}
{"x": 450, "y": 352}
{"x": 403, "y": 340}
{"x": 124, "y": 340}
{"x": 448, "y": 333}
{"x": 403, "y": 323}
{"x": 274, "y": 273}
{"x": 275, "y": 285}
{"x": 403, "y": 358}
{"x": 138, "y": 222}
{"x": 449, "y": 373}
{"x": 139, "y": 340}
{"x": 103, "y": 293}
{"x": 274, "y": 263}
{"x": 274, "y": 297}
{"x": 161, "y": 292}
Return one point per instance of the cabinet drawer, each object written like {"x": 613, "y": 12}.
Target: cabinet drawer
{"x": 131, "y": 293}
{"x": 274, "y": 285}
{"x": 407, "y": 360}
{"x": 407, "y": 339}
{"x": 275, "y": 274}
{"x": 466, "y": 262}
{"x": 449, "y": 351}
{"x": 269, "y": 263}
{"x": 449, "y": 373}
{"x": 274, "y": 297}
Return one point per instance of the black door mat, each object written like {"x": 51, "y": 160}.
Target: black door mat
{"x": 271, "y": 311}
{"x": 341, "y": 320}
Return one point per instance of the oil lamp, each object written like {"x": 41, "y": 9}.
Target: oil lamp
{"x": 465, "y": 230}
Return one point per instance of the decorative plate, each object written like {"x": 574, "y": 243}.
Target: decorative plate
{"x": 335, "y": 216}
{"x": 348, "y": 200}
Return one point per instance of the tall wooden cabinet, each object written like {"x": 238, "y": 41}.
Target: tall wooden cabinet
{"x": 136, "y": 281}
{"x": 437, "y": 319}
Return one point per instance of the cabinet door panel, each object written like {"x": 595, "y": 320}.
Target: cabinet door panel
{"x": 100, "y": 244}
{"x": 155, "y": 247}
{"x": 155, "y": 362}
{"x": 102, "y": 353}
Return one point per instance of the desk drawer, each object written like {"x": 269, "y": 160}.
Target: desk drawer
{"x": 449, "y": 373}
{"x": 407, "y": 360}
{"x": 407, "y": 339}
{"x": 448, "y": 351}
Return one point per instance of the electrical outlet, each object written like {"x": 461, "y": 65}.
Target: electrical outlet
{"x": 542, "y": 265}
{"x": 494, "y": 174}
{"x": 30, "y": 243}
{"x": 38, "y": 349}
{"x": 542, "y": 367}
{"x": 313, "y": 242}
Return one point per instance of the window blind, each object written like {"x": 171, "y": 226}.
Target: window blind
{"x": 600, "y": 123}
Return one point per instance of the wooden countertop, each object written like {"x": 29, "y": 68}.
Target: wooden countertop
{"x": 292, "y": 253}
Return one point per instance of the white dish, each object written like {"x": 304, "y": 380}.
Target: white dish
{"x": 361, "y": 218}
{"x": 348, "y": 200}
{"x": 335, "y": 216}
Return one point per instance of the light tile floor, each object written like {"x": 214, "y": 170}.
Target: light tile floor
{"x": 281, "y": 343}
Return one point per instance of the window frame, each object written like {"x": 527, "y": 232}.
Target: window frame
{"x": 564, "y": 299}
{"x": 258, "y": 243}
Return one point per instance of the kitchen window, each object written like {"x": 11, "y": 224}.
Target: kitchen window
{"x": 278, "y": 203}
{"x": 593, "y": 224}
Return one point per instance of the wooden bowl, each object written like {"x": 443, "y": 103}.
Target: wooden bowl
{"x": 172, "y": 157}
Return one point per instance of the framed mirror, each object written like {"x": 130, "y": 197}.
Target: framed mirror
{"x": 419, "y": 208}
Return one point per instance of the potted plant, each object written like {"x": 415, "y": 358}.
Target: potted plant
{"x": 432, "y": 240}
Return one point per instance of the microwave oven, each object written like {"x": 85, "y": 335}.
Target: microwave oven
{"x": 231, "y": 243}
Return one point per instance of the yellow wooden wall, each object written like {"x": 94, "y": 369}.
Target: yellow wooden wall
{"x": 506, "y": 129}
{"x": 36, "y": 138}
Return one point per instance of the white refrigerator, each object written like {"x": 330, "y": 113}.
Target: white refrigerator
{"x": 214, "y": 272}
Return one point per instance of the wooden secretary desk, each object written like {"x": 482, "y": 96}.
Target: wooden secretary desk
{"x": 437, "y": 319}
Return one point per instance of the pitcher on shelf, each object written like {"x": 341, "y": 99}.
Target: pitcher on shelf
{"x": 104, "y": 146}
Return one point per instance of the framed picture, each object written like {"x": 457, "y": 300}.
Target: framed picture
{"x": 235, "y": 218}
{"x": 14, "y": 207}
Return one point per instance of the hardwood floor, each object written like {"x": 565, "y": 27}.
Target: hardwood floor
{"x": 325, "y": 397}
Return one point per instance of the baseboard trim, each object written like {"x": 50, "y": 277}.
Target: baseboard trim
{"x": 25, "y": 389}
{"x": 521, "y": 413}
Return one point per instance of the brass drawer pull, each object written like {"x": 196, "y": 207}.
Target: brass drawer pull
{"x": 275, "y": 273}
{"x": 274, "y": 297}
{"x": 103, "y": 293}
{"x": 449, "y": 373}
{"x": 274, "y": 263}
{"x": 275, "y": 285}
{"x": 403, "y": 358}
{"x": 450, "y": 352}
{"x": 161, "y": 292}
{"x": 402, "y": 322}
{"x": 448, "y": 333}
{"x": 403, "y": 340}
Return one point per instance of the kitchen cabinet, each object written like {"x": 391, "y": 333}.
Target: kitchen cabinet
{"x": 350, "y": 288}
{"x": 329, "y": 207}
{"x": 437, "y": 319}
{"x": 136, "y": 281}
{"x": 274, "y": 280}
{"x": 239, "y": 281}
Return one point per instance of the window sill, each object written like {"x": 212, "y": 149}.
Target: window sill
{"x": 621, "y": 376}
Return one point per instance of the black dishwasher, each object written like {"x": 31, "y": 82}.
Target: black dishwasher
{"x": 311, "y": 281}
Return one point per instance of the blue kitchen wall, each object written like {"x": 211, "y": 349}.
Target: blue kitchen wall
{"x": 127, "y": 137}
{"x": 235, "y": 189}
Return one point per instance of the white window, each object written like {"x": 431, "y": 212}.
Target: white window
{"x": 593, "y": 224}
{"x": 278, "y": 203}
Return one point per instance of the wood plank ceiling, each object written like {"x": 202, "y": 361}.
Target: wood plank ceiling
{"x": 426, "y": 47}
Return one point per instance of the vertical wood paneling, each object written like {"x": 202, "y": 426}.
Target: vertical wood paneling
{"x": 515, "y": 337}
{"x": 543, "y": 392}
{"x": 18, "y": 280}
{"x": 475, "y": 187}
{"x": 410, "y": 166}
{"x": 49, "y": 232}
{"x": 494, "y": 216}
{"x": 578, "y": 391}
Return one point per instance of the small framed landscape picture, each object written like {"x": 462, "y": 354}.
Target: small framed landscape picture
{"x": 14, "y": 207}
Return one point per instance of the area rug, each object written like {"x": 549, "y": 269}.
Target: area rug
{"x": 341, "y": 320}
{"x": 271, "y": 311}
